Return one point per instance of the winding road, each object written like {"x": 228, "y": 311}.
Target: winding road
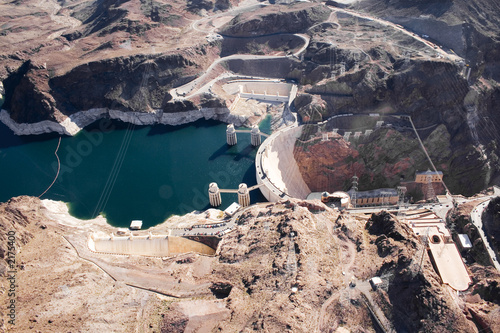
{"x": 476, "y": 218}
{"x": 203, "y": 83}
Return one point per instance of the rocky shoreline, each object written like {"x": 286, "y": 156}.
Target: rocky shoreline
{"x": 79, "y": 120}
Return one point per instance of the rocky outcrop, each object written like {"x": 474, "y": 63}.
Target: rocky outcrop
{"x": 417, "y": 301}
{"x": 133, "y": 89}
{"x": 281, "y": 278}
{"x": 15, "y": 217}
{"x": 276, "y": 19}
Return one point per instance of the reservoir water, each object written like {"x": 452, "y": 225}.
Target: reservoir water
{"x": 128, "y": 172}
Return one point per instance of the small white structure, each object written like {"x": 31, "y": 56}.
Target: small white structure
{"x": 341, "y": 198}
{"x": 136, "y": 225}
{"x": 465, "y": 242}
{"x": 375, "y": 282}
{"x": 233, "y": 208}
{"x": 347, "y": 135}
{"x": 379, "y": 124}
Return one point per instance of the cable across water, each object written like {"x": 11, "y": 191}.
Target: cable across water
{"x": 58, "y": 168}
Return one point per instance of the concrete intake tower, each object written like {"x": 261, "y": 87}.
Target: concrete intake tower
{"x": 231, "y": 135}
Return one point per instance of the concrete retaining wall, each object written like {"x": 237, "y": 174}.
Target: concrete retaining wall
{"x": 270, "y": 98}
{"x": 157, "y": 246}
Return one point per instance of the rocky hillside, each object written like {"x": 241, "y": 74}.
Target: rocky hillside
{"x": 269, "y": 20}
{"x": 19, "y": 218}
{"x": 290, "y": 266}
{"x": 101, "y": 55}
{"x": 470, "y": 28}
{"x": 286, "y": 269}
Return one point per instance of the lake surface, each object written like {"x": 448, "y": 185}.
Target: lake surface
{"x": 129, "y": 172}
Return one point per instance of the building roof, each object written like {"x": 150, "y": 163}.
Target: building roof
{"x": 233, "y": 208}
{"x": 136, "y": 224}
{"x": 464, "y": 241}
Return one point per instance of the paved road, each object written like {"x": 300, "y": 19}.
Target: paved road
{"x": 476, "y": 214}
{"x": 186, "y": 90}
{"x": 431, "y": 45}
{"x": 214, "y": 228}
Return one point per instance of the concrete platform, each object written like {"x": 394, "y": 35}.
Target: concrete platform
{"x": 443, "y": 250}
{"x": 450, "y": 265}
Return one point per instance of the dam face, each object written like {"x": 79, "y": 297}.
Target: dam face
{"x": 277, "y": 169}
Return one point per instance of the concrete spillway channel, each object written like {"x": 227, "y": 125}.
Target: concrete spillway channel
{"x": 147, "y": 245}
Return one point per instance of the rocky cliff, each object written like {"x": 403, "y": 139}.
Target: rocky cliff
{"x": 112, "y": 55}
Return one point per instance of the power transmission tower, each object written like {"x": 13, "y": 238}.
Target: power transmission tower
{"x": 354, "y": 189}
{"x": 430, "y": 195}
{"x": 426, "y": 241}
{"x": 401, "y": 202}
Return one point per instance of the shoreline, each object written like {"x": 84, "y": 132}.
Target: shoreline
{"x": 79, "y": 120}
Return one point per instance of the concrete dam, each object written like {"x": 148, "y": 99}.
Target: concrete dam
{"x": 147, "y": 245}
{"x": 277, "y": 169}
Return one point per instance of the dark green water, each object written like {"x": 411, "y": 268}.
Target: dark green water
{"x": 163, "y": 170}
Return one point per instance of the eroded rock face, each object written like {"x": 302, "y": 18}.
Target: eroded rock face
{"x": 328, "y": 165}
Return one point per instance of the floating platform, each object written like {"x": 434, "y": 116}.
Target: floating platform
{"x": 136, "y": 225}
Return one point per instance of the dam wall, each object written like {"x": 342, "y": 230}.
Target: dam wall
{"x": 152, "y": 245}
{"x": 277, "y": 169}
